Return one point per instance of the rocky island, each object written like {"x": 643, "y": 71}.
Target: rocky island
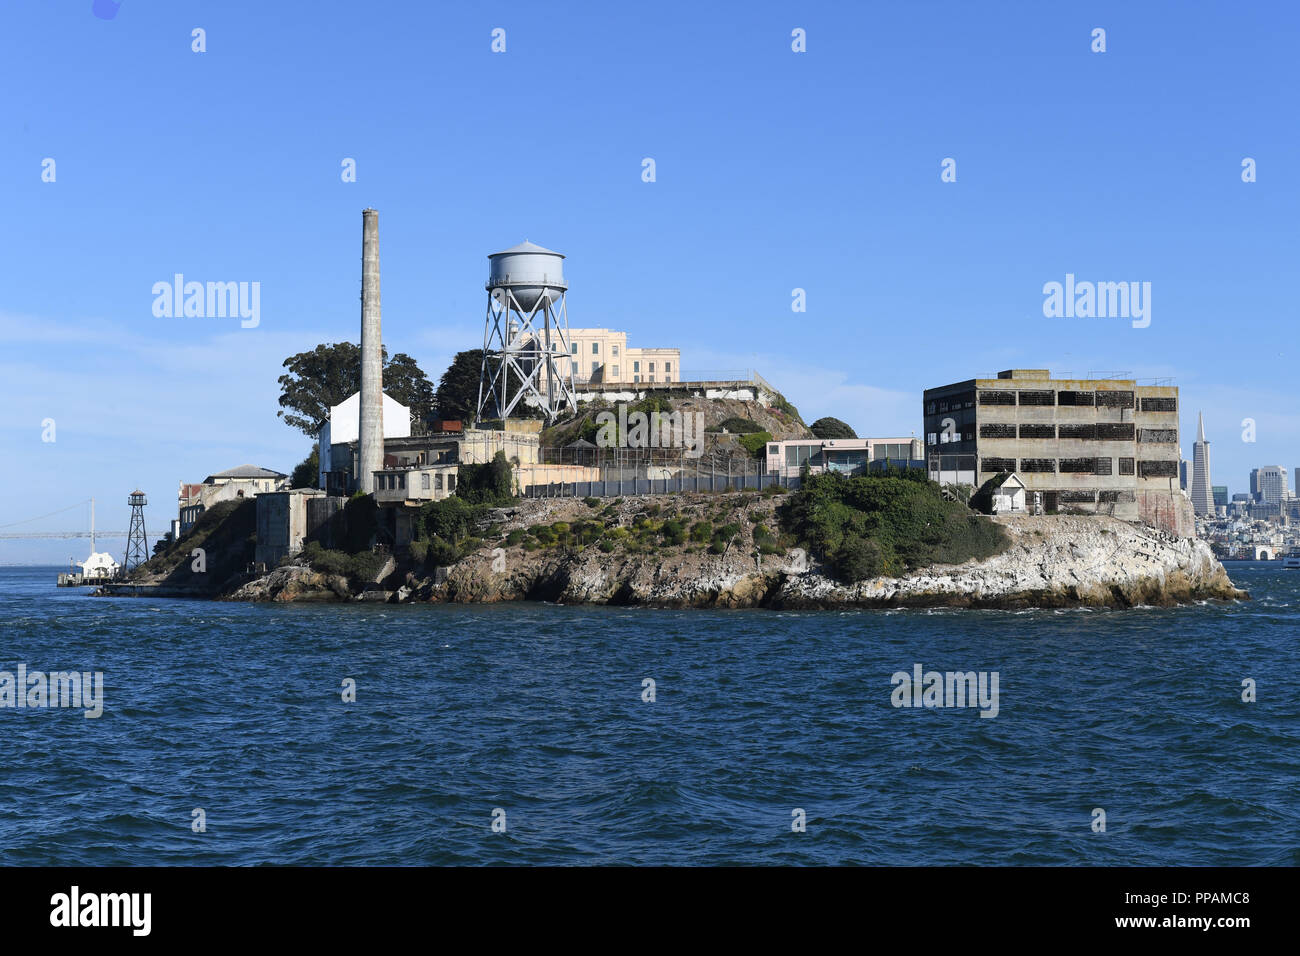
{"x": 733, "y": 550}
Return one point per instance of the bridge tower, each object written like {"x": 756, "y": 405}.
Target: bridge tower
{"x": 137, "y": 545}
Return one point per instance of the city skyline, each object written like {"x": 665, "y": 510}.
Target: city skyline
{"x": 761, "y": 189}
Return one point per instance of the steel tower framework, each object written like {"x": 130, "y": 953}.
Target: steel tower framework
{"x": 521, "y": 352}
{"x": 137, "y": 545}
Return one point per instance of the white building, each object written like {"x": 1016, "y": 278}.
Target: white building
{"x": 1007, "y": 495}
{"x": 848, "y": 455}
{"x": 344, "y": 426}
{"x": 99, "y": 566}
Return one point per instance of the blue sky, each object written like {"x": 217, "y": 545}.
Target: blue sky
{"x": 775, "y": 170}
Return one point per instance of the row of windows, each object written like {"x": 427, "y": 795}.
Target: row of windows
{"x": 397, "y": 481}
{"x": 1105, "y": 398}
{"x": 1081, "y": 466}
{"x": 636, "y": 368}
{"x": 1087, "y": 431}
{"x": 595, "y": 349}
{"x": 636, "y": 365}
{"x": 951, "y": 404}
{"x": 796, "y": 456}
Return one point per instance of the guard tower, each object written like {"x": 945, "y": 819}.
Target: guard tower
{"x": 526, "y": 334}
{"x": 137, "y": 545}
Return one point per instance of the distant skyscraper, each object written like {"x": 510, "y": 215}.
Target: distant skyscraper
{"x": 1184, "y": 467}
{"x": 1268, "y": 484}
{"x": 1201, "y": 494}
{"x": 1220, "y": 495}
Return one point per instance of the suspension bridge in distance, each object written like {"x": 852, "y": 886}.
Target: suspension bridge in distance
{"x": 92, "y": 532}
{"x": 64, "y": 534}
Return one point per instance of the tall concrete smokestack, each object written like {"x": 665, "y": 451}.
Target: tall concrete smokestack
{"x": 370, "y": 431}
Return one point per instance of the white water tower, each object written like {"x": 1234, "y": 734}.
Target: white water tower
{"x": 526, "y": 334}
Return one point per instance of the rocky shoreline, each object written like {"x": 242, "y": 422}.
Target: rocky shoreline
{"x": 1053, "y": 561}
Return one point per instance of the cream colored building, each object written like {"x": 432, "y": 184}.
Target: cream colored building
{"x": 602, "y": 355}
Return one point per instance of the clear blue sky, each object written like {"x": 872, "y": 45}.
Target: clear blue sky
{"x": 775, "y": 170}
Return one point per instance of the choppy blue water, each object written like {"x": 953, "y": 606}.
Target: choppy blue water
{"x": 537, "y": 710}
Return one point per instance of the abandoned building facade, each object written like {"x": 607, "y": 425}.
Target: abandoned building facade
{"x": 1104, "y": 446}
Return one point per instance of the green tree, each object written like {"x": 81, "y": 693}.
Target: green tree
{"x": 457, "y": 395}
{"x": 490, "y": 484}
{"x": 405, "y": 382}
{"x": 331, "y": 373}
{"x": 307, "y": 472}
{"x": 832, "y": 428}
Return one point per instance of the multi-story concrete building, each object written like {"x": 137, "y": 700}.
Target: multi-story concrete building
{"x": 846, "y": 455}
{"x": 1097, "y": 445}
{"x": 602, "y": 355}
{"x": 1268, "y": 484}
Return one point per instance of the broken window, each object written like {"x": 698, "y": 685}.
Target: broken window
{"x": 1110, "y": 398}
{"x": 1038, "y": 398}
{"x": 997, "y": 431}
{"x": 1115, "y": 431}
{"x": 1037, "y": 431}
{"x": 1075, "y": 398}
{"x": 1077, "y": 495}
{"x": 1079, "y": 466}
{"x": 997, "y": 464}
{"x": 1087, "y": 432}
{"x": 1157, "y": 469}
{"x": 997, "y": 398}
{"x": 1159, "y": 404}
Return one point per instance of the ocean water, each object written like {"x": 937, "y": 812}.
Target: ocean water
{"x": 537, "y": 710}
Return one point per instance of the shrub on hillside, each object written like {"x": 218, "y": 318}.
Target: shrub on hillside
{"x": 756, "y": 443}
{"x": 674, "y": 532}
{"x": 871, "y": 524}
{"x": 701, "y": 531}
{"x": 832, "y": 428}
{"x": 736, "y": 425}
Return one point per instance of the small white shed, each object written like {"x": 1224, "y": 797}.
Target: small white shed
{"x": 1008, "y": 494}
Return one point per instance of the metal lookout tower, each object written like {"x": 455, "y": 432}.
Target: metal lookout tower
{"x": 137, "y": 545}
{"x": 526, "y": 334}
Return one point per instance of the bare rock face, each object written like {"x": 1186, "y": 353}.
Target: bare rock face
{"x": 1054, "y": 561}
{"x": 294, "y": 583}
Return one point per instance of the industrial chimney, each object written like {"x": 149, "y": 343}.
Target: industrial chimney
{"x": 370, "y": 430}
